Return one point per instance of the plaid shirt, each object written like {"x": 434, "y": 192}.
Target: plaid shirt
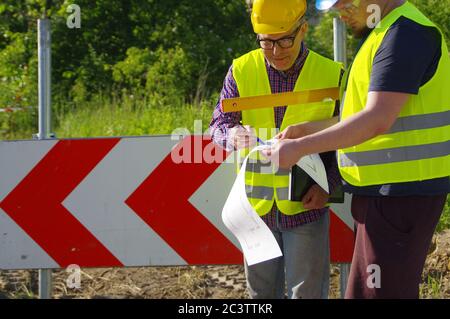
{"x": 280, "y": 81}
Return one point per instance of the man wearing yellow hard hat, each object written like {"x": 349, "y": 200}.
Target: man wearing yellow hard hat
{"x": 282, "y": 63}
{"x": 393, "y": 142}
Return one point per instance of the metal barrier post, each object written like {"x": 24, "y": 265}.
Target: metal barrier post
{"x": 340, "y": 55}
{"x": 340, "y": 41}
{"x": 44, "y": 59}
{"x": 344, "y": 270}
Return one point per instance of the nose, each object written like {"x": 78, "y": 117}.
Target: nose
{"x": 276, "y": 49}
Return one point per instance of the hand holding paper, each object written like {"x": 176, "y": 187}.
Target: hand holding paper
{"x": 311, "y": 164}
{"x": 242, "y": 137}
{"x": 257, "y": 241}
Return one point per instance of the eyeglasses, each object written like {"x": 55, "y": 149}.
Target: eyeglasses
{"x": 284, "y": 43}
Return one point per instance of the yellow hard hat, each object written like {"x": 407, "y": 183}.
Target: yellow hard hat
{"x": 276, "y": 16}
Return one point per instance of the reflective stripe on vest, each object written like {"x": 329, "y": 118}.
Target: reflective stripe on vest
{"x": 417, "y": 145}
{"x": 264, "y": 186}
{"x": 420, "y": 122}
{"x": 392, "y": 155}
{"x": 266, "y": 193}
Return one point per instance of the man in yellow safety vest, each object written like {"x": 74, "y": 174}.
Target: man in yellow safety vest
{"x": 282, "y": 63}
{"x": 392, "y": 141}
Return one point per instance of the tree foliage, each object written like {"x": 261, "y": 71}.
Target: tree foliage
{"x": 172, "y": 39}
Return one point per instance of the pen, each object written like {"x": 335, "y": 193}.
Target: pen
{"x": 260, "y": 141}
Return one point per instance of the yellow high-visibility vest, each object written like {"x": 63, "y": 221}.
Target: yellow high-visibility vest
{"x": 264, "y": 186}
{"x": 417, "y": 146}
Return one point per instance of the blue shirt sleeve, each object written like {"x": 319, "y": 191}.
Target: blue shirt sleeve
{"x": 407, "y": 58}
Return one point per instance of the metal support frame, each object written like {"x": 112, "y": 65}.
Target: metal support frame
{"x": 340, "y": 41}
{"x": 340, "y": 55}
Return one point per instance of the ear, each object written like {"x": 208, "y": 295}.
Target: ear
{"x": 305, "y": 28}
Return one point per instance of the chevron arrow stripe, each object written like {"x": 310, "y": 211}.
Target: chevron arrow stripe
{"x": 99, "y": 202}
{"x": 39, "y": 210}
{"x": 162, "y": 201}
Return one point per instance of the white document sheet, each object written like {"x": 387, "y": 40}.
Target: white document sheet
{"x": 313, "y": 166}
{"x": 257, "y": 241}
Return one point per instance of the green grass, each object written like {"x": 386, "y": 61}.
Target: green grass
{"x": 132, "y": 118}
{"x": 432, "y": 287}
{"x": 444, "y": 222}
{"x": 105, "y": 117}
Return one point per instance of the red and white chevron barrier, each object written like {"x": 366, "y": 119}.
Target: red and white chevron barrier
{"x": 113, "y": 202}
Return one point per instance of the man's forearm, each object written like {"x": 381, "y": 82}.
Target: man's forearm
{"x": 381, "y": 111}
{"x": 353, "y": 131}
{"x": 317, "y": 126}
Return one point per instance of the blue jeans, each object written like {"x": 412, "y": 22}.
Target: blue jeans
{"x": 304, "y": 267}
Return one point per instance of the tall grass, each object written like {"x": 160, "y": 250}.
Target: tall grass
{"x": 128, "y": 117}
{"x": 444, "y": 222}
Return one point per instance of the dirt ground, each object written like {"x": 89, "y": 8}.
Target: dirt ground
{"x": 196, "y": 281}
